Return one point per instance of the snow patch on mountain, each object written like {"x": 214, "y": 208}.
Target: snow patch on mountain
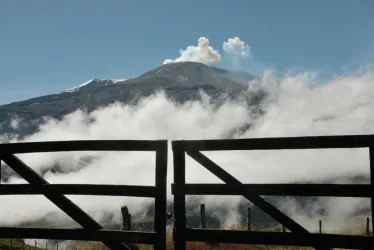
{"x": 119, "y": 80}
{"x": 97, "y": 82}
{"x": 79, "y": 86}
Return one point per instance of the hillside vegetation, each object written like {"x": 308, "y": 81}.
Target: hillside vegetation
{"x": 207, "y": 246}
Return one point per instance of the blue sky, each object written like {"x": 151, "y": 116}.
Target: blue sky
{"x": 48, "y": 46}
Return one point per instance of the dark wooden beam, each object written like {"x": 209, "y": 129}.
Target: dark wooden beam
{"x": 323, "y": 190}
{"x": 180, "y": 199}
{"x": 89, "y": 145}
{"x": 79, "y": 234}
{"x": 160, "y": 201}
{"x": 78, "y": 189}
{"x": 371, "y": 158}
{"x": 312, "y": 142}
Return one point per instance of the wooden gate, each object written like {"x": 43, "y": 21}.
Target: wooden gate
{"x": 299, "y": 236}
{"x": 92, "y": 230}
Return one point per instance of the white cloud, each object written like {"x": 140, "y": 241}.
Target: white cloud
{"x": 168, "y": 61}
{"x": 240, "y": 56}
{"x": 236, "y": 47}
{"x": 293, "y": 108}
{"x": 15, "y": 122}
{"x": 203, "y": 53}
{"x": 235, "y": 50}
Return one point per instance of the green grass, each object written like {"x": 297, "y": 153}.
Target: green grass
{"x": 361, "y": 230}
{"x": 6, "y": 244}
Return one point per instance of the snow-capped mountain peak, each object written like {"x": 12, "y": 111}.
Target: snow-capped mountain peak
{"x": 180, "y": 81}
{"x": 94, "y": 83}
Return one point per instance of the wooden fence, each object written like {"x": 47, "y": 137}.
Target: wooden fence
{"x": 283, "y": 229}
{"x": 114, "y": 239}
{"x": 299, "y": 236}
{"x": 92, "y": 230}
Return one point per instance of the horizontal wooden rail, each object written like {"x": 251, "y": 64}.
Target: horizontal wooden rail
{"x": 312, "y": 142}
{"x": 78, "y": 189}
{"x": 79, "y": 234}
{"x": 89, "y": 145}
{"x": 277, "y": 238}
{"x": 323, "y": 190}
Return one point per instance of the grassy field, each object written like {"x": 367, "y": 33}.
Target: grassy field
{"x": 207, "y": 246}
{"x": 6, "y": 244}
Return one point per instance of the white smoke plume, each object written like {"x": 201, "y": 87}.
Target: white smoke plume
{"x": 203, "y": 53}
{"x": 236, "y": 47}
{"x": 295, "y": 106}
{"x": 240, "y": 56}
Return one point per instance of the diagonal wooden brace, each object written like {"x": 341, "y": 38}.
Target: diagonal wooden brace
{"x": 71, "y": 209}
{"x": 255, "y": 199}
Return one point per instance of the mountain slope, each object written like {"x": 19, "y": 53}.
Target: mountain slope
{"x": 180, "y": 81}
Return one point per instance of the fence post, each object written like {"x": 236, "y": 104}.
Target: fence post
{"x": 367, "y": 225}
{"x": 283, "y": 229}
{"x": 126, "y": 218}
{"x": 249, "y": 220}
{"x": 35, "y": 245}
{"x": 126, "y": 223}
{"x": 11, "y": 243}
{"x": 320, "y": 226}
{"x": 46, "y": 245}
{"x": 371, "y": 162}
{"x": 179, "y": 198}
{"x": 57, "y": 246}
{"x": 202, "y": 216}
{"x": 160, "y": 199}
